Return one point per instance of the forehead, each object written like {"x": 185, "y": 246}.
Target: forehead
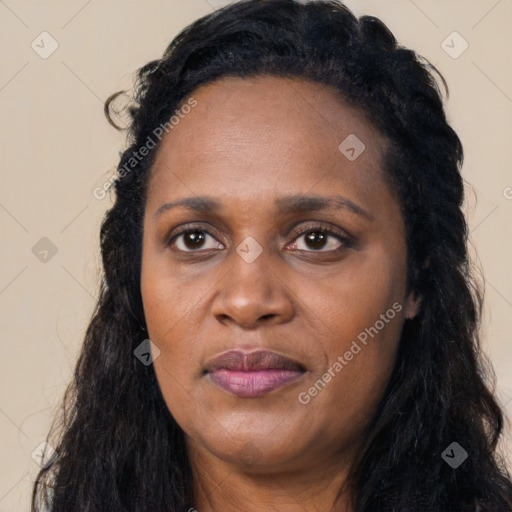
{"x": 266, "y": 133}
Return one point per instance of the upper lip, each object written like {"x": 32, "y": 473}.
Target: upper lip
{"x": 238, "y": 360}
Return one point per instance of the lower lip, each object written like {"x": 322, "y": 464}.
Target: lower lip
{"x": 253, "y": 384}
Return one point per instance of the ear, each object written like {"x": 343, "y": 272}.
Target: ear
{"x": 413, "y": 301}
{"x": 412, "y": 305}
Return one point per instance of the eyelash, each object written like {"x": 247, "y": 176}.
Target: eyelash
{"x": 344, "y": 239}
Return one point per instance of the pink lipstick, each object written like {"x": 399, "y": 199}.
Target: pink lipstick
{"x": 254, "y": 374}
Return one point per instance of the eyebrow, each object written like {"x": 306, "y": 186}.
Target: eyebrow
{"x": 285, "y": 205}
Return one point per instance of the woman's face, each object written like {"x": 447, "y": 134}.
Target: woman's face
{"x": 259, "y": 265}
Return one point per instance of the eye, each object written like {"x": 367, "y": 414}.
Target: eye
{"x": 315, "y": 238}
{"x": 318, "y": 238}
{"x": 194, "y": 238}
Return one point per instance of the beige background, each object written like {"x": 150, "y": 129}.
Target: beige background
{"x": 57, "y": 147}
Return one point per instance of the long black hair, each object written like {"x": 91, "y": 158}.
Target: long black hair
{"x": 119, "y": 448}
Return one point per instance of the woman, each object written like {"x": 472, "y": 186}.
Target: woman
{"x": 287, "y": 231}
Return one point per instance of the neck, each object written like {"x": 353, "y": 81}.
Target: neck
{"x": 223, "y": 487}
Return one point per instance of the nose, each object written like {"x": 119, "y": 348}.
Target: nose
{"x": 251, "y": 294}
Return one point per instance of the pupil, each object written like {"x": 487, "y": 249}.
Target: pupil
{"x": 316, "y": 238}
{"x": 195, "y": 237}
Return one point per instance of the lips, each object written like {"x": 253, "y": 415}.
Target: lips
{"x": 253, "y": 361}
{"x": 254, "y": 374}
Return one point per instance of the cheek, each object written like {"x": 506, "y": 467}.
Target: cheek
{"x": 172, "y": 323}
{"x": 354, "y": 300}
{"x": 168, "y": 300}
{"x": 175, "y": 310}
{"x": 360, "y": 314}
{"x": 171, "y": 313}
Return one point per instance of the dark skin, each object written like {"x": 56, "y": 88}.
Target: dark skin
{"x": 248, "y": 143}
